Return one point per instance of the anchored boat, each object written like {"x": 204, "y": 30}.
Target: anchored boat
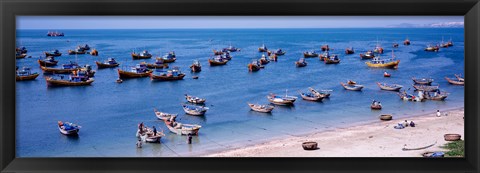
{"x": 140, "y": 70}
{"x": 180, "y": 128}
{"x": 142, "y": 55}
{"x": 107, "y": 64}
{"x": 368, "y": 55}
{"x": 333, "y": 59}
{"x": 309, "y": 54}
{"x": 65, "y": 69}
{"x": 170, "y": 75}
{"x": 47, "y": 62}
{"x": 352, "y": 87}
{"x": 193, "y": 99}
{"x": 261, "y": 108}
{"x": 54, "y": 53}
{"x": 281, "y": 100}
{"x": 163, "y": 115}
{"x": 194, "y": 110}
{"x": 196, "y": 66}
{"x": 68, "y": 128}
{"x": 389, "y": 87}
{"x": 301, "y": 62}
{"x": 422, "y": 81}
{"x": 25, "y": 74}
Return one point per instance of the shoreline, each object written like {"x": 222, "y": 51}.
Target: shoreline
{"x": 361, "y": 137}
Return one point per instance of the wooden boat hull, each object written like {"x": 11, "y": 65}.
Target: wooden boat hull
{"x": 56, "y": 70}
{"x": 104, "y": 65}
{"x": 363, "y": 56}
{"x": 193, "y": 112}
{"x": 309, "y": 55}
{"x": 265, "y": 110}
{"x": 316, "y": 98}
{"x": 348, "y": 51}
{"x": 313, "y": 91}
{"x": 252, "y": 67}
{"x": 136, "y": 56}
{"x": 282, "y": 102}
{"x": 195, "y": 68}
{"x": 330, "y": 61}
{"x": 387, "y": 75}
{"x": 47, "y": 63}
{"x": 71, "y": 52}
{"x": 53, "y": 54}
{"x": 455, "y": 82}
{"x": 54, "y": 82}
{"x": 264, "y": 61}
{"x": 426, "y": 88}
{"x": 152, "y": 66}
{"x": 383, "y": 87}
{"x": 166, "y": 78}
{"x": 162, "y": 115}
{"x": 69, "y": 132}
{"x": 20, "y": 56}
{"x": 375, "y": 107}
{"x": 437, "y": 98}
{"x": 216, "y": 63}
{"x": 126, "y": 74}
{"x": 29, "y": 77}
{"x": 262, "y": 50}
{"x": 169, "y": 60}
{"x": 393, "y": 64}
{"x": 421, "y": 82}
{"x": 352, "y": 87}
{"x": 153, "y": 139}
{"x": 298, "y": 64}
{"x": 196, "y": 101}
{"x": 191, "y": 130}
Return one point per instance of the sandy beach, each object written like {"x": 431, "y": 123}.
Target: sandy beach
{"x": 377, "y": 139}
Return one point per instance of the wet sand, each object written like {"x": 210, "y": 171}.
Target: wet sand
{"x": 378, "y": 139}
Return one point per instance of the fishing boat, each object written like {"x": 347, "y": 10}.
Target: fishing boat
{"x": 410, "y": 97}
{"x": 216, "y": 61}
{"x": 273, "y": 57}
{"x": 217, "y": 52}
{"x": 281, "y": 100}
{"x": 65, "y": 69}
{"x": 431, "y": 48}
{"x": 254, "y": 66}
{"x": 107, "y": 64}
{"x": 230, "y": 49}
{"x": 311, "y": 97}
{"x": 78, "y": 51}
{"x": 459, "y": 78}
{"x": 324, "y": 55}
{"x": 385, "y": 74}
{"x": 325, "y": 47}
{"x": 261, "y": 108}
{"x": 193, "y": 99}
{"x": 94, "y": 52}
{"x": 435, "y": 95}
{"x": 368, "y": 55}
{"x": 278, "y": 52}
{"x": 170, "y": 75}
{"x": 55, "y": 34}
{"x": 85, "y": 47}
{"x": 352, "y": 87}
{"x": 25, "y": 74}
{"x": 455, "y": 82}
{"x": 422, "y": 81}
{"x": 194, "y": 110}
{"x": 301, "y": 62}
{"x": 395, "y": 45}
{"x": 351, "y": 82}
{"x": 349, "y": 51}
{"x": 150, "y": 136}
{"x": 426, "y": 88}
{"x": 389, "y": 87}
{"x": 88, "y": 70}
{"x": 263, "y": 60}
{"x": 159, "y": 63}
{"x": 379, "y": 63}
{"x": 180, "y": 128}
{"x": 263, "y": 48}
{"x": 79, "y": 78}
{"x": 169, "y": 57}
{"x": 376, "y": 105}
{"x": 162, "y": 115}
{"x": 378, "y": 49}
{"x": 142, "y": 55}
{"x": 19, "y": 55}
{"x": 333, "y": 59}
{"x": 68, "y": 128}
{"x": 309, "y": 54}
{"x": 450, "y": 43}
{"x": 406, "y": 42}
{"x": 226, "y": 56}
{"x": 22, "y": 49}
{"x": 320, "y": 93}
{"x": 47, "y": 62}
{"x": 140, "y": 70}
{"x": 196, "y": 66}
{"x": 53, "y": 53}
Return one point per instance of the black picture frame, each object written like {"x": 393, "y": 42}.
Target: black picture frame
{"x": 11, "y": 8}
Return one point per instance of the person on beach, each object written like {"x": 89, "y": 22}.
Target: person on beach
{"x": 438, "y": 113}
{"x": 139, "y": 143}
{"x": 154, "y": 131}
{"x": 412, "y": 124}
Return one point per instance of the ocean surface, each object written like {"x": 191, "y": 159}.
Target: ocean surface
{"x": 110, "y": 112}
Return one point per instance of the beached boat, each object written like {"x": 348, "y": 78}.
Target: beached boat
{"x": 301, "y": 62}
{"x": 55, "y": 34}
{"x": 170, "y": 75}
{"x": 320, "y": 93}
{"x": 278, "y": 52}
{"x": 455, "y": 82}
{"x": 436, "y": 95}
{"x": 158, "y": 64}
{"x": 395, "y": 45}
{"x": 150, "y": 136}
{"x": 230, "y": 49}
{"x": 19, "y": 55}
{"x": 196, "y": 66}
{"x": 263, "y": 60}
{"x": 47, "y": 62}
{"x": 310, "y": 54}
{"x": 311, "y": 97}
{"x": 142, "y": 55}
{"x": 25, "y": 74}
{"x": 254, "y": 66}
{"x": 368, "y": 55}
{"x": 349, "y": 51}
{"x": 406, "y": 42}
{"x": 431, "y": 48}
{"x": 22, "y": 49}
{"x": 376, "y": 105}
{"x": 162, "y": 115}
{"x": 76, "y": 79}
{"x": 54, "y": 53}
{"x": 325, "y": 47}
{"x": 281, "y": 100}
{"x": 216, "y": 61}
{"x": 324, "y": 55}
{"x": 333, "y": 59}
{"x": 65, "y": 69}
{"x": 385, "y": 74}
{"x": 352, "y": 87}
{"x": 94, "y": 52}
{"x": 193, "y": 99}
{"x": 78, "y": 50}
{"x": 263, "y": 48}
{"x": 426, "y": 88}
{"x": 422, "y": 81}
{"x": 140, "y": 70}
{"x": 410, "y": 97}
{"x": 194, "y": 110}
{"x": 107, "y": 64}
{"x": 261, "y": 108}
{"x": 182, "y": 129}
{"x": 389, "y": 87}
{"x": 68, "y": 128}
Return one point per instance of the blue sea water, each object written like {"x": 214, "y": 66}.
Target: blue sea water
{"x": 110, "y": 112}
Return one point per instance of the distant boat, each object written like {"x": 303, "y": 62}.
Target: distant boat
{"x": 431, "y": 48}
{"x": 142, "y": 55}
{"x": 455, "y": 82}
{"x": 426, "y": 88}
{"x": 169, "y": 57}
{"x": 389, "y": 87}
{"x": 379, "y": 63}
{"x": 150, "y": 136}
{"x": 55, "y": 34}
{"x": 170, "y": 75}
{"x": 254, "y": 66}
{"x": 85, "y": 47}
{"x": 78, "y": 50}
{"x": 378, "y": 49}
{"x": 68, "y": 128}
{"x": 107, "y": 64}
{"x": 311, "y": 97}
{"x": 140, "y": 70}
{"x": 22, "y": 49}
{"x": 385, "y": 74}
{"x": 53, "y": 53}
{"x": 301, "y": 62}
{"x": 422, "y": 81}
{"x": 324, "y": 55}
{"x": 325, "y": 47}
{"x": 180, "y": 128}
{"x": 333, "y": 59}
{"x": 47, "y": 62}
{"x": 406, "y": 42}
{"x": 231, "y": 49}
{"x": 263, "y": 60}
{"x": 278, "y": 52}
{"x": 352, "y": 87}
{"x": 19, "y": 55}
{"x": 79, "y": 78}
{"x": 94, "y": 52}
{"x": 194, "y": 110}
{"x": 65, "y": 69}
{"x": 158, "y": 64}
{"x": 263, "y": 48}
{"x": 196, "y": 66}
{"x": 273, "y": 57}
{"x": 376, "y": 105}
{"x": 281, "y": 100}
{"x": 25, "y": 74}
{"x": 261, "y": 108}
{"x": 193, "y": 99}
{"x": 349, "y": 51}
{"x": 163, "y": 115}
{"x": 216, "y": 61}
{"x": 368, "y": 55}
{"x": 410, "y": 97}
{"x": 321, "y": 93}
{"x": 395, "y": 45}
{"x": 309, "y": 54}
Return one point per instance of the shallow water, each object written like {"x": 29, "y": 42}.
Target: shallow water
{"x": 109, "y": 112}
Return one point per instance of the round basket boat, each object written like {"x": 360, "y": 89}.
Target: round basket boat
{"x": 452, "y": 137}
{"x": 309, "y": 145}
{"x": 386, "y": 117}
